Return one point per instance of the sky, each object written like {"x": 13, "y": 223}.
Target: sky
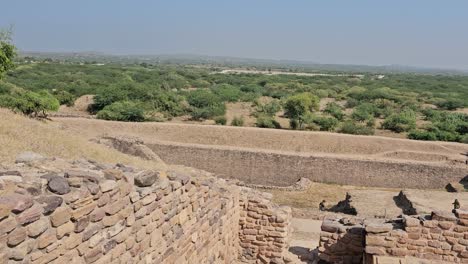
{"x": 423, "y": 33}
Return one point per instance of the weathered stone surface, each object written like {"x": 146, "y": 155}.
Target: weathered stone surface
{"x": 30, "y": 215}
{"x": 92, "y": 187}
{"x": 65, "y": 229}
{"x": 4, "y": 211}
{"x": 81, "y": 224}
{"x": 178, "y": 176}
{"x": 60, "y": 216}
{"x": 17, "y": 203}
{"x": 50, "y": 203}
{"x": 17, "y": 236}
{"x": 107, "y": 185}
{"x": 379, "y": 228}
{"x": 82, "y": 211}
{"x": 38, "y": 227}
{"x": 146, "y": 178}
{"x": 28, "y": 156}
{"x": 443, "y": 216}
{"x": 58, "y": 185}
{"x": 7, "y": 225}
{"x": 113, "y": 174}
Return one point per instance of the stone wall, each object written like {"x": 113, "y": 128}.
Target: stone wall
{"x": 264, "y": 229}
{"x": 53, "y": 211}
{"x": 285, "y": 168}
{"x": 441, "y": 237}
{"x": 342, "y": 241}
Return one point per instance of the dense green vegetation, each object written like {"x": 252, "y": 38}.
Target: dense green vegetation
{"x": 356, "y": 105}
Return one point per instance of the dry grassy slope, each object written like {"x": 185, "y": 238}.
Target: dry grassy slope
{"x": 271, "y": 139}
{"x": 18, "y": 134}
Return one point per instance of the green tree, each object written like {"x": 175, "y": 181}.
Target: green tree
{"x": 298, "y": 106}
{"x": 30, "y": 103}
{"x": 7, "y": 52}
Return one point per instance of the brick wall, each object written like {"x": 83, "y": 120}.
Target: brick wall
{"x": 265, "y": 228}
{"x": 441, "y": 237}
{"x": 342, "y": 241}
{"x": 54, "y": 211}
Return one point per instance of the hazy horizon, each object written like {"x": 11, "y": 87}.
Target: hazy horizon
{"x": 419, "y": 33}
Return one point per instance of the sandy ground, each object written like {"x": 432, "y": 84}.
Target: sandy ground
{"x": 305, "y": 238}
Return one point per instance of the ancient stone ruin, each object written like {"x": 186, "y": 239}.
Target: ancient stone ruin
{"x": 56, "y": 211}
{"x": 441, "y": 237}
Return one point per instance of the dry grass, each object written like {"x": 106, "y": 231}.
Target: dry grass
{"x": 19, "y": 133}
{"x": 267, "y": 139}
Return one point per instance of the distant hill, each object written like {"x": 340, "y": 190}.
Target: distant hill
{"x": 232, "y": 62}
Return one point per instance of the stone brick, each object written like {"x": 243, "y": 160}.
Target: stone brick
{"x": 46, "y": 239}
{"x": 107, "y": 185}
{"x": 65, "y": 229}
{"x": 17, "y": 236}
{"x": 38, "y": 227}
{"x": 30, "y": 215}
{"x": 7, "y": 225}
{"x": 49, "y": 203}
{"x": 82, "y": 211}
{"x": 60, "y": 216}
{"x": 17, "y": 203}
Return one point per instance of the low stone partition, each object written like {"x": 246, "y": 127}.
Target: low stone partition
{"x": 279, "y": 168}
{"x": 264, "y": 230}
{"x": 54, "y": 211}
{"x": 441, "y": 237}
{"x": 342, "y": 241}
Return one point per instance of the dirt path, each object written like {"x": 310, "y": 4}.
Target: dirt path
{"x": 305, "y": 238}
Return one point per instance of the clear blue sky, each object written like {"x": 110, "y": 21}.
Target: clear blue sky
{"x": 376, "y": 32}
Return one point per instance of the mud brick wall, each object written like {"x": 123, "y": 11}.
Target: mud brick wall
{"x": 443, "y": 236}
{"x": 84, "y": 212}
{"x": 264, "y": 230}
{"x": 341, "y": 241}
{"x": 269, "y": 167}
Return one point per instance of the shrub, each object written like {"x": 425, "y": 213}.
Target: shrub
{"x": 266, "y": 121}
{"x": 123, "y": 111}
{"x": 351, "y": 103}
{"x": 326, "y": 123}
{"x": 227, "y": 92}
{"x": 268, "y": 109}
{"x": 30, "y": 103}
{"x": 300, "y": 104}
{"x": 450, "y": 104}
{"x": 422, "y": 135}
{"x": 106, "y": 97}
{"x": 464, "y": 139}
{"x": 334, "y": 110}
{"x": 364, "y": 112}
{"x": 203, "y": 98}
{"x": 220, "y": 120}
{"x": 402, "y": 122}
{"x": 208, "y": 112}
{"x": 237, "y": 121}
{"x": 349, "y": 127}
{"x": 64, "y": 97}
